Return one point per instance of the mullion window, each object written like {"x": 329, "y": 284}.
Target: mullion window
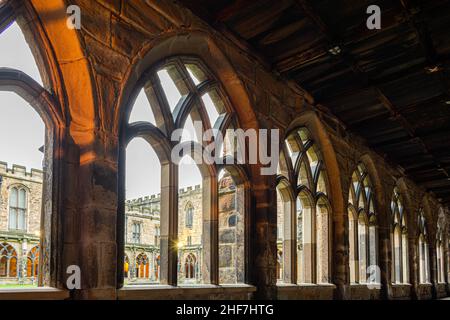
{"x": 170, "y": 116}
{"x": 17, "y": 209}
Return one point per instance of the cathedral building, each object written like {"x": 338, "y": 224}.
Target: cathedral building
{"x": 319, "y": 134}
{"x": 20, "y": 213}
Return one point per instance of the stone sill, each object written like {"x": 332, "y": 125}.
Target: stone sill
{"x": 371, "y": 286}
{"x": 41, "y": 293}
{"x": 293, "y": 286}
{"x": 160, "y": 291}
{"x": 400, "y": 285}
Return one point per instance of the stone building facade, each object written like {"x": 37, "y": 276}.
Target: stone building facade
{"x": 142, "y": 246}
{"x": 20, "y": 190}
{"x": 20, "y": 247}
{"x": 107, "y": 60}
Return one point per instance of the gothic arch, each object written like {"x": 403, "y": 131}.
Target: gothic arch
{"x": 196, "y": 44}
{"x": 338, "y": 206}
{"x": 68, "y": 56}
{"x": 310, "y": 120}
{"x": 48, "y": 106}
{"x": 380, "y": 200}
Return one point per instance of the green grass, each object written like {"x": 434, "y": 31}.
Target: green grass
{"x": 17, "y": 286}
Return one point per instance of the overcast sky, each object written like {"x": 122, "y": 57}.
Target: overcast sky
{"x": 22, "y": 130}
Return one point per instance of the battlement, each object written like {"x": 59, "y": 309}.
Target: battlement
{"x": 189, "y": 189}
{"x": 146, "y": 199}
{"x": 157, "y": 197}
{"x": 20, "y": 171}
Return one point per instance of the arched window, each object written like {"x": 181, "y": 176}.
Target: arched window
{"x": 440, "y": 252}
{"x": 136, "y": 228}
{"x": 8, "y": 261}
{"x": 190, "y": 266}
{"x": 302, "y": 176}
{"x": 424, "y": 260}
{"x": 189, "y": 215}
{"x": 33, "y": 262}
{"x": 17, "y": 209}
{"x": 399, "y": 240}
{"x": 142, "y": 266}
{"x": 31, "y": 127}
{"x": 362, "y": 229}
{"x": 175, "y": 104}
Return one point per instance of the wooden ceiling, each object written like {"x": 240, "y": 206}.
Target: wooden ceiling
{"x": 390, "y": 86}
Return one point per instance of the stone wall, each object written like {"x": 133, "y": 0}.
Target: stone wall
{"x": 21, "y": 240}
{"x": 18, "y": 176}
{"x": 118, "y": 42}
{"x": 231, "y": 237}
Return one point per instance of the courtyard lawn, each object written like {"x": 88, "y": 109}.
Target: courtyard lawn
{"x": 17, "y": 286}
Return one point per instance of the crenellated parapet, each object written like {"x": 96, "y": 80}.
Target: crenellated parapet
{"x": 21, "y": 172}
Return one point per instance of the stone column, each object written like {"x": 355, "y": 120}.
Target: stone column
{"x": 340, "y": 253}
{"x": 91, "y": 214}
{"x": 384, "y": 238}
{"x": 433, "y": 266}
{"x": 263, "y": 243}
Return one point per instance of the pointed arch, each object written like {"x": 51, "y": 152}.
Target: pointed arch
{"x": 33, "y": 262}
{"x": 49, "y": 107}
{"x": 8, "y": 261}
{"x": 363, "y": 249}
{"x": 181, "y": 89}
{"x": 424, "y": 258}
{"x": 196, "y": 44}
{"x": 399, "y": 239}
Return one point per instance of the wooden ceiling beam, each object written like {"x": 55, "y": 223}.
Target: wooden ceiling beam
{"x": 315, "y": 19}
{"x": 232, "y": 9}
{"x": 362, "y": 76}
{"x": 418, "y": 24}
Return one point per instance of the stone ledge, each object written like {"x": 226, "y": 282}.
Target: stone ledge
{"x": 43, "y": 293}
{"x": 305, "y": 291}
{"x": 365, "y": 291}
{"x": 154, "y": 292}
{"x": 401, "y": 291}
{"x": 376, "y": 286}
{"x": 292, "y": 286}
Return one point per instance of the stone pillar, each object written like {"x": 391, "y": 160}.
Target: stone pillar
{"x": 133, "y": 274}
{"x": 169, "y": 224}
{"x": 21, "y": 261}
{"x": 384, "y": 249}
{"x": 91, "y": 215}
{"x": 340, "y": 253}
{"x": 264, "y": 243}
{"x": 447, "y": 256}
{"x": 210, "y": 232}
{"x": 413, "y": 262}
{"x": 433, "y": 266}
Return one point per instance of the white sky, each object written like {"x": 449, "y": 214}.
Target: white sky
{"x": 22, "y": 130}
{"x": 142, "y": 161}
